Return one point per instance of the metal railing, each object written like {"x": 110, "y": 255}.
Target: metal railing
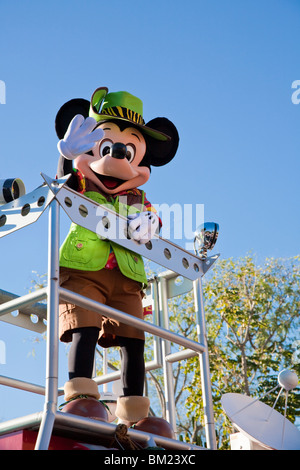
{"x": 54, "y": 194}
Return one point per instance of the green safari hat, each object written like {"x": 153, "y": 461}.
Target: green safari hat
{"x": 160, "y": 134}
{"x": 124, "y": 106}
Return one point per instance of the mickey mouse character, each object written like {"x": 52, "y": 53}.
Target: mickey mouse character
{"x": 108, "y": 149}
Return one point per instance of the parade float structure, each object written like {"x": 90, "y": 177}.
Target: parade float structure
{"x": 53, "y": 195}
{"x": 52, "y": 429}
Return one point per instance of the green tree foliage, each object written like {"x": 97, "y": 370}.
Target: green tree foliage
{"x": 252, "y": 315}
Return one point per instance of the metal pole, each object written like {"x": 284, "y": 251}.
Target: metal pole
{"x": 20, "y": 303}
{"x": 166, "y": 349}
{"x": 21, "y": 385}
{"x": 98, "y": 428}
{"x": 51, "y": 389}
{"x": 107, "y": 311}
{"x": 204, "y": 368}
{"x": 157, "y": 359}
{"x": 105, "y": 369}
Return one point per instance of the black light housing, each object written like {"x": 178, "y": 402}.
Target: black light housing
{"x": 10, "y": 189}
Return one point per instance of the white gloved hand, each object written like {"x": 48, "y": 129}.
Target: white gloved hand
{"x": 80, "y": 137}
{"x": 142, "y": 226}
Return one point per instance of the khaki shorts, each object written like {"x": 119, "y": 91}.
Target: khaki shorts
{"x": 109, "y": 287}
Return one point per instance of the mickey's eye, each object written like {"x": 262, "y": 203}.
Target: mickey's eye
{"x": 130, "y": 154}
{"x": 105, "y": 147}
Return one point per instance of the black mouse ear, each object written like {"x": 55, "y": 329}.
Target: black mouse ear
{"x": 161, "y": 152}
{"x": 67, "y": 112}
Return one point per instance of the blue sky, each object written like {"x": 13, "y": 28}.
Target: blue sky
{"x": 222, "y": 71}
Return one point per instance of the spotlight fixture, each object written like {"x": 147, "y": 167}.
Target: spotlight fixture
{"x": 205, "y": 238}
{"x": 10, "y": 189}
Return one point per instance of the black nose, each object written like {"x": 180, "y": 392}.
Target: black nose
{"x": 118, "y": 150}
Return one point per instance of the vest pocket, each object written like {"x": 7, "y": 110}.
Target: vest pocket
{"x": 82, "y": 249}
{"x": 76, "y": 250}
{"x": 135, "y": 263}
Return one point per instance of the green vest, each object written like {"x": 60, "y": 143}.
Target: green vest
{"x": 84, "y": 250}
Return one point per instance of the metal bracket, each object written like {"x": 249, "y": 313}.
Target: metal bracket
{"x": 101, "y": 220}
{"x": 107, "y": 224}
{"x": 30, "y": 317}
{"x": 28, "y": 208}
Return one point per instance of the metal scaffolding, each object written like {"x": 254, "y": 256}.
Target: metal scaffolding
{"x": 26, "y": 210}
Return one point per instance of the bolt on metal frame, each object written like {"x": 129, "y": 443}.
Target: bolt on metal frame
{"x": 54, "y": 194}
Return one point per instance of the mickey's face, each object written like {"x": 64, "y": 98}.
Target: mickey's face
{"x": 113, "y": 165}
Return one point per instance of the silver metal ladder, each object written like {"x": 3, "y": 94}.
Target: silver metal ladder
{"x": 53, "y": 194}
